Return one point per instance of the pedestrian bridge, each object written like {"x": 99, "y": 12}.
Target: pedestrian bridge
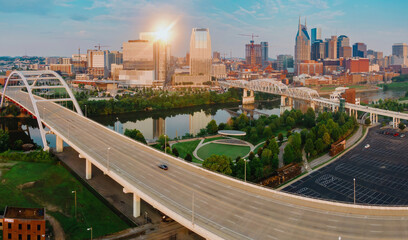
{"x": 212, "y": 205}
{"x": 310, "y": 96}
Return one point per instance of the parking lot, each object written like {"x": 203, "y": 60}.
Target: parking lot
{"x": 379, "y": 164}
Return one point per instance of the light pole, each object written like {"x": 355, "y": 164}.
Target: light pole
{"x": 85, "y": 111}
{"x": 192, "y": 210}
{"x": 108, "y": 158}
{"x": 165, "y": 144}
{"x": 245, "y": 168}
{"x": 90, "y": 229}
{"x": 75, "y": 197}
{"x": 354, "y": 180}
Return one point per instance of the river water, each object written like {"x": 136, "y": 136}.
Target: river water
{"x": 174, "y": 123}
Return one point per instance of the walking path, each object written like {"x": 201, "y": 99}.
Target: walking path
{"x": 201, "y": 144}
{"x": 281, "y": 150}
{"x": 59, "y": 233}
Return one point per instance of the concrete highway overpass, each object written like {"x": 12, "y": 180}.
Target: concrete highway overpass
{"x": 210, "y": 204}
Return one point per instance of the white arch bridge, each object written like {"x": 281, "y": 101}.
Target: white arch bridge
{"x": 307, "y": 95}
{"x": 213, "y": 205}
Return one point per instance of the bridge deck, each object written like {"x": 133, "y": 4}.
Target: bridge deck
{"x": 223, "y": 208}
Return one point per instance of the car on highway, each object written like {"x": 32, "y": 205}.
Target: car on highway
{"x": 402, "y": 135}
{"x": 396, "y": 134}
{"x": 367, "y": 146}
{"x": 163, "y": 166}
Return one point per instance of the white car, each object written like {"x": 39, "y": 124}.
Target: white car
{"x": 367, "y": 146}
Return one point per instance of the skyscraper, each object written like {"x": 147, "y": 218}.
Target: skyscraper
{"x": 253, "y": 54}
{"x": 342, "y": 41}
{"x": 200, "y": 52}
{"x": 360, "y": 50}
{"x": 332, "y": 47}
{"x": 318, "y": 50}
{"x": 302, "y": 45}
{"x": 400, "y": 50}
{"x": 316, "y": 34}
{"x": 265, "y": 55}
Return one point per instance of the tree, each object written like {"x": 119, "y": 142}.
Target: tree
{"x": 175, "y": 152}
{"x": 251, "y": 155}
{"x": 326, "y": 138}
{"x": 401, "y": 126}
{"x": 280, "y": 137}
{"x": 288, "y": 154}
{"x": 367, "y": 121}
{"x": 266, "y": 157}
{"x": 212, "y": 127}
{"x": 188, "y": 157}
{"x": 310, "y": 118}
{"x": 273, "y": 146}
{"x": 290, "y": 122}
{"x": 319, "y": 145}
{"x": 267, "y": 132}
{"x": 309, "y": 147}
{"x": 135, "y": 134}
{"x": 4, "y": 140}
{"x": 217, "y": 163}
{"x": 288, "y": 134}
{"x": 163, "y": 139}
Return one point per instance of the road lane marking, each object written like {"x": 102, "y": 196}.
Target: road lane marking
{"x": 279, "y": 230}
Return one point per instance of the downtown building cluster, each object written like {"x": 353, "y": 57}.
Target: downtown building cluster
{"x": 335, "y": 61}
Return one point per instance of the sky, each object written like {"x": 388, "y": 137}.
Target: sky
{"x": 60, "y": 27}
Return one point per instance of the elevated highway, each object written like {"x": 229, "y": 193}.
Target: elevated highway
{"x": 210, "y": 204}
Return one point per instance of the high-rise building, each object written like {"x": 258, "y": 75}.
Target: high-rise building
{"x": 360, "y": 50}
{"x": 284, "y": 62}
{"x": 346, "y": 52}
{"x": 318, "y": 50}
{"x": 138, "y": 55}
{"x": 253, "y": 54}
{"x": 264, "y": 53}
{"x": 332, "y": 47}
{"x": 200, "y": 52}
{"x": 316, "y": 34}
{"x": 400, "y": 50}
{"x": 302, "y": 45}
{"x": 342, "y": 41}
{"x": 98, "y": 63}
{"x": 216, "y": 55}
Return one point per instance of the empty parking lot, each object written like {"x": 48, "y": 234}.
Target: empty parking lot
{"x": 381, "y": 173}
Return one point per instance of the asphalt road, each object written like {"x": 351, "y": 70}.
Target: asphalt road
{"x": 380, "y": 173}
{"x": 222, "y": 206}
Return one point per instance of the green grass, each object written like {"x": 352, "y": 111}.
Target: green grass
{"x": 187, "y": 147}
{"x": 52, "y": 190}
{"x": 222, "y": 149}
{"x": 401, "y": 86}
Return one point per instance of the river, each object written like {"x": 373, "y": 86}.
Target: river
{"x": 174, "y": 123}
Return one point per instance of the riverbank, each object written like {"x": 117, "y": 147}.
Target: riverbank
{"x": 327, "y": 90}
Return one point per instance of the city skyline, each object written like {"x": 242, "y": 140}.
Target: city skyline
{"x": 58, "y": 28}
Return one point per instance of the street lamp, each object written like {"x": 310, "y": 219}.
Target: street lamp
{"x": 85, "y": 111}
{"x": 90, "y": 229}
{"x": 108, "y": 158}
{"x": 75, "y": 197}
{"x": 245, "y": 168}
{"x": 354, "y": 180}
{"x": 165, "y": 143}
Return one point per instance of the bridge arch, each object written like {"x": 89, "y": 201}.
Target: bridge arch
{"x": 30, "y": 80}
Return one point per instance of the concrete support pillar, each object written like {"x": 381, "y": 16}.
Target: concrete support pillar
{"x": 136, "y": 205}
{"x": 251, "y": 93}
{"x": 313, "y": 106}
{"x": 283, "y": 101}
{"x": 376, "y": 118}
{"x": 59, "y": 144}
{"x": 88, "y": 169}
{"x": 356, "y": 113}
{"x": 245, "y": 93}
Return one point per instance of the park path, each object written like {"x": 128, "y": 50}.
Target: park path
{"x": 281, "y": 150}
{"x": 59, "y": 233}
{"x": 200, "y": 144}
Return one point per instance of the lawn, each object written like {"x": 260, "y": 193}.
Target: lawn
{"x": 222, "y": 149}
{"x": 52, "y": 188}
{"x": 401, "y": 86}
{"x": 187, "y": 147}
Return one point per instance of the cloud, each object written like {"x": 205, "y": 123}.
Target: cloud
{"x": 79, "y": 17}
{"x": 38, "y": 7}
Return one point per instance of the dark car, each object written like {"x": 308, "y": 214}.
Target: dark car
{"x": 163, "y": 166}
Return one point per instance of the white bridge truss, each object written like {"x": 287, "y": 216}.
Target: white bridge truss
{"x": 35, "y": 82}
{"x": 274, "y": 87}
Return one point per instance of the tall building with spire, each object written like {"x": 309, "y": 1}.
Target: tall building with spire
{"x": 302, "y": 44}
